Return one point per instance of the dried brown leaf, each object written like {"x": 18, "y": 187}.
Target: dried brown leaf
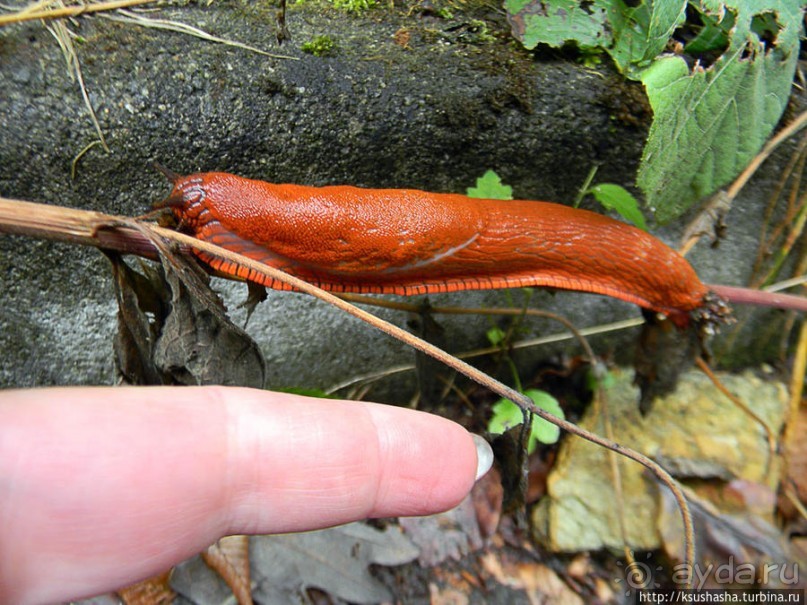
{"x": 152, "y": 591}
{"x": 487, "y": 496}
{"x": 335, "y": 560}
{"x": 540, "y": 584}
{"x": 452, "y": 534}
{"x": 136, "y": 334}
{"x": 229, "y": 557}
{"x": 743, "y": 541}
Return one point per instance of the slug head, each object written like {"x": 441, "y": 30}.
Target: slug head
{"x": 183, "y": 201}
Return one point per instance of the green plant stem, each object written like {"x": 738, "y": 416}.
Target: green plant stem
{"x": 581, "y": 193}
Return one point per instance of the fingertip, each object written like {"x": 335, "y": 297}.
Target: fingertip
{"x": 431, "y": 462}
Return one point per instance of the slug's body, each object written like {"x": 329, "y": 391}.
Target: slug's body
{"x": 349, "y": 239}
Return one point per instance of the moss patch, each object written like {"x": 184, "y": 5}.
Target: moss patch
{"x": 319, "y": 46}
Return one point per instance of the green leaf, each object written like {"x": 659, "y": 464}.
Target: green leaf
{"x": 642, "y": 32}
{"x": 709, "y": 123}
{"x": 507, "y": 414}
{"x": 489, "y": 186}
{"x": 495, "y": 336}
{"x": 556, "y": 22}
{"x": 617, "y": 198}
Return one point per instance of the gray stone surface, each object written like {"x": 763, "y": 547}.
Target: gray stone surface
{"x": 435, "y": 115}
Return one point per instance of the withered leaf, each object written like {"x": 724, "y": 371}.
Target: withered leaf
{"x": 256, "y": 294}
{"x": 285, "y": 567}
{"x": 334, "y": 560}
{"x": 431, "y": 374}
{"x": 746, "y": 539}
{"x": 663, "y": 353}
{"x": 138, "y": 296}
{"x": 173, "y": 329}
{"x": 229, "y": 557}
{"x": 152, "y": 591}
{"x": 510, "y": 454}
{"x": 452, "y": 534}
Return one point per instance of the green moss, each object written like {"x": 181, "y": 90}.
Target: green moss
{"x": 319, "y": 46}
{"x": 354, "y": 6}
{"x": 479, "y": 32}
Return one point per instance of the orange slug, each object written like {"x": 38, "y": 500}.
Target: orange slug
{"x": 404, "y": 241}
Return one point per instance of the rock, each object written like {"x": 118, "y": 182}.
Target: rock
{"x": 435, "y": 114}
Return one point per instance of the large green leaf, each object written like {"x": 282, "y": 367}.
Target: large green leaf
{"x": 709, "y": 123}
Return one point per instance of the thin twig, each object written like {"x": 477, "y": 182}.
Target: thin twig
{"x": 68, "y": 11}
{"x": 793, "y": 498}
{"x": 72, "y": 226}
{"x": 770, "y": 234}
{"x": 796, "y": 388}
{"x": 762, "y": 298}
{"x": 600, "y": 409}
{"x": 785, "y": 284}
{"x": 740, "y": 182}
{"x": 79, "y": 155}
{"x": 584, "y": 188}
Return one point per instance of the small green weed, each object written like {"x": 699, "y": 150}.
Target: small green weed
{"x": 320, "y": 46}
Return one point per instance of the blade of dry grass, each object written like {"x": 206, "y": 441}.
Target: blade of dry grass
{"x": 63, "y": 37}
{"x": 131, "y": 18}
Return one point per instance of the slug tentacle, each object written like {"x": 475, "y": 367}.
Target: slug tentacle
{"x": 350, "y": 239}
{"x": 172, "y": 176}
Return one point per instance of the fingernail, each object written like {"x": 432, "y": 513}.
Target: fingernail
{"x": 484, "y": 455}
